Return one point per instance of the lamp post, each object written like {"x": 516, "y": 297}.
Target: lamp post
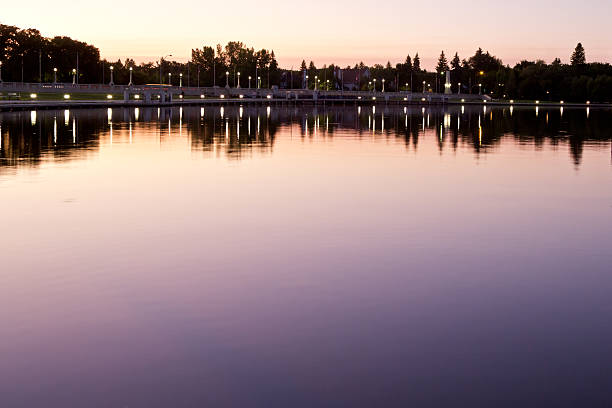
{"x": 160, "y": 68}
{"x": 306, "y": 82}
{"x": 227, "y": 79}
{"x": 170, "y": 78}
{"x": 383, "y": 84}
{"x": 181, "y": 79}
{"x": 370, "y": 86}
{"x": 238, "y": 80}
{"x": 249, "y": 82}
{"x": 73, "y": 76}
{"x": 55, "y": 75}
{"x": 479, "y": 89}
{"x": 258, "y": 82}
{"x": 458, "y": 88}
{"x": 131, "y": 83}
{"x": 315, "y": 84}
{"x": 424, "y": 83}
{"x": 0, "y": 71}
{"x": 111, "y": 70}
{"x": 406, "y": 87}
{"x": 327, "y": 85}
{"x": 374, "y": 84}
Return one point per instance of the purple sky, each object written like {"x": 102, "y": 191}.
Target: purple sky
{"x": 342, "y": 31}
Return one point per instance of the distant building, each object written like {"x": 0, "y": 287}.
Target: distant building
{"x": 350, "y": 79}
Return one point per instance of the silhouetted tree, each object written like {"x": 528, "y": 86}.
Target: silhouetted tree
{"x": 578, "y": 56}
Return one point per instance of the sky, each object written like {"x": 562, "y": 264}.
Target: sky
{"x": 339, "y": 31}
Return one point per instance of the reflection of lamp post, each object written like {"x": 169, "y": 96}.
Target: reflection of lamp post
{"x": 227, "y": 79}
{"x": 55, "y": 75}
{"x": 73, "y": 76}
{"x": 238, "y": 80}
{"x": 111, "y": 70}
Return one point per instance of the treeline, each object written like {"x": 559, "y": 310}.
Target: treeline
{"x": 28, "y": 56}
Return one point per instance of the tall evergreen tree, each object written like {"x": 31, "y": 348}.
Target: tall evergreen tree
{"x": 408, "y": 63}
{"x": 578, "y": 57}
{"x": 456, "y": 62}
{"x": 442, "y": 63}
{"x": 416, "y": 63}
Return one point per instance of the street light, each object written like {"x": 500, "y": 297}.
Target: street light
{"x": 258, "y": 82}
{"x": 315, "y": 84}
{"x": 383, "y": 84}
{"x": 327, "y": 85}
{"x": 170, "y": 78}
{"x": 0, "y": 71}
{"x": 249, "y": 82}
{"x": 73, "y": 76}
{"x": 227, "y": 79}
{"x": 406, "y": 87}
{"x": 130, "y": 83}
{"x": 424, "y": 86}
{"x": 306, "y": 81}
{"x": 458, "y": 88}
{"x": 55, "y": 75}
{"x": 480, "y": 88}
{"x": 111, "y": 70}
{"x": 238, "y": 80}
{"x": 160, "y": 68}
{"x": 181, "y": 79}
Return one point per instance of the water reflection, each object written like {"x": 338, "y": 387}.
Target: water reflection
{"x": 27, "y": 137}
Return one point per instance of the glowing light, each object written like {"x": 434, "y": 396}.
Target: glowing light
{"x": 201, "y": 96}
{"x": 136, "y": 96}
{"x": 222, "y": 96}
{"x": 109, "y": 96}
{"x": 33, "y": 96}
{"x": 269, "y": 96}
{"x": 66, "y": 96}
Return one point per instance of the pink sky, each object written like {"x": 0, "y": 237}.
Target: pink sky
{"x": 342, "y": 32}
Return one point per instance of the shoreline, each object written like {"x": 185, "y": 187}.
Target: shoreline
{"x": 8, "y": 106}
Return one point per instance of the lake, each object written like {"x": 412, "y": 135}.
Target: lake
{"x": 314, "y": 256}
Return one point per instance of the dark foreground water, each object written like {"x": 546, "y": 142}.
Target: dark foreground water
{"x": 289, "y": 257}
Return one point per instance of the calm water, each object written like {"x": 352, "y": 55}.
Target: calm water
{"x": 306, "y": 257}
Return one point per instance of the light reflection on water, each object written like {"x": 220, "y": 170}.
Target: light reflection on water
{"x": 318, "y": 256}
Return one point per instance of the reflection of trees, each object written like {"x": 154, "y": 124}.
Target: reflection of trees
{"x": 237, "y": 132}
{"x": 27, "y": 137}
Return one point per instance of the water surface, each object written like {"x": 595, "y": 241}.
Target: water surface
{"x": 306, "y": 257}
